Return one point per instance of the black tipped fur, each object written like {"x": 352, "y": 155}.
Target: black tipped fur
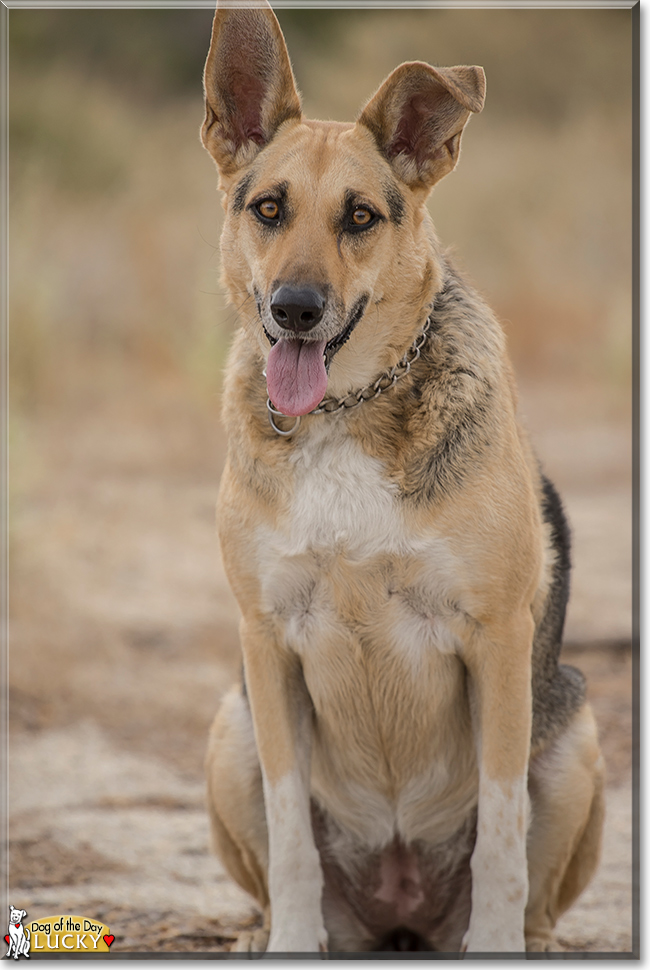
{"x": 240, "y": 193}
{"x": 395, "y": 202}
{"x": 558, "y": 690}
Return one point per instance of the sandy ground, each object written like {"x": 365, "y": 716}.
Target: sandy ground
{"x": 124, "y": 635}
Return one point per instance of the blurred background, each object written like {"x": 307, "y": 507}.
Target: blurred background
{"x": 123, "y": 633}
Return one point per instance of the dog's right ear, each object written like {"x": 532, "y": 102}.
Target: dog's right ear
{"x": 249, "y": 86}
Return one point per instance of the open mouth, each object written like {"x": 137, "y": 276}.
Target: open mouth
{"x": 296, "y": 370}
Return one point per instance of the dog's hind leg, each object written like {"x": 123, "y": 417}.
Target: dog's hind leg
{"x": 567, "y": 809}
{"x": 236, "y": 807}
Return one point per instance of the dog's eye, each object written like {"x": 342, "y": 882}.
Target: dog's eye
{"x": 268, "y": 209}
{"x": 362, "y": 216}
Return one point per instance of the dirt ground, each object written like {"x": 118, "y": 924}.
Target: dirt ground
{"x": 123, "y": 636}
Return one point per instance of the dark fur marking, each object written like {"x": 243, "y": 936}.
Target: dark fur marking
{"x": 464, "y": 421}
{"x": 558, "y": 690}
{"x": 240, "y": 193}
{"x": 278, "y": 191}
{"x": 466, "y": 372}
{"x": 395, "y": 202}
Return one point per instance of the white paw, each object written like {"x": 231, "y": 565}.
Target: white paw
{"x": 251, "y": 941}
{"x": 298, "y": 939}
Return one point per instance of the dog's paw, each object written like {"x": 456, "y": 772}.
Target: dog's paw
{"x": 251, "y": 941}
{"x": 539, "y": 944}
{"x": 298, "y": 939}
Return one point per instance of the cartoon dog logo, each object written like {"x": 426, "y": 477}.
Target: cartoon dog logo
{"x": 18, "y": 936}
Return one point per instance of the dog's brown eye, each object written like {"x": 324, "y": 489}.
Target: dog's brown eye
{"x": 268, "y": 209}
{"x": 361, "y": 216}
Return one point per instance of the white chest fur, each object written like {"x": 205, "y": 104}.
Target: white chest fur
{"x": 342, "y": 498}
{"x": 346, "y": 529}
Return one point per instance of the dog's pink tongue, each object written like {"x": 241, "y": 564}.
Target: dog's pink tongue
{"x": 295, "y": 375}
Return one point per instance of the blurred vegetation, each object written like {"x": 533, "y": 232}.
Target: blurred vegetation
{"x": 548, "y": 62}
{"x": 115, "y": 218}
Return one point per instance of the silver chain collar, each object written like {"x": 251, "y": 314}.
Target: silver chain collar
{"x": 352, "y": 400}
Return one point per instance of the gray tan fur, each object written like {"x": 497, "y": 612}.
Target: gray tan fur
{"x": 407, "y": 765}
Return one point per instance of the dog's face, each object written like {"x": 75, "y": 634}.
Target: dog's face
{"x": 16, "y": 915}
{"x": 318, "y": 213}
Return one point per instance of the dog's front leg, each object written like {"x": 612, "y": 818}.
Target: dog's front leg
{"x": 498, "y": 662}
{"x": 282, "y": 717}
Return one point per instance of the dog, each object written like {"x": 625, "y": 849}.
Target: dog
{"x": 406, "y": 766}
{"x": 18, "y": 936}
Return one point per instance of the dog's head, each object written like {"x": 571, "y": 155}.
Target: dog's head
{"x": 326, "y": 245}
{"x": 16, "y": 915}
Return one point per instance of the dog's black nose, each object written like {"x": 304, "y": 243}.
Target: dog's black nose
{"x": 297, "y": 308}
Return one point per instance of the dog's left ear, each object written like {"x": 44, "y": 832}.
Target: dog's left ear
{"x": 417, "y": 117}
{"x": 249, "y": 85}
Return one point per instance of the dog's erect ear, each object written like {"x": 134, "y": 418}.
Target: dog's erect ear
{"x": 417, "y": 117}
{"x": 249, "y": 85}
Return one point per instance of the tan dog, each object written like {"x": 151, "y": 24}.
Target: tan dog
{"x": 407, "y": 765}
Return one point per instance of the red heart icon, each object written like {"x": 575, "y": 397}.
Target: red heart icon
{"x": 7, "y": 938}
{"x": 109, "y": 939}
